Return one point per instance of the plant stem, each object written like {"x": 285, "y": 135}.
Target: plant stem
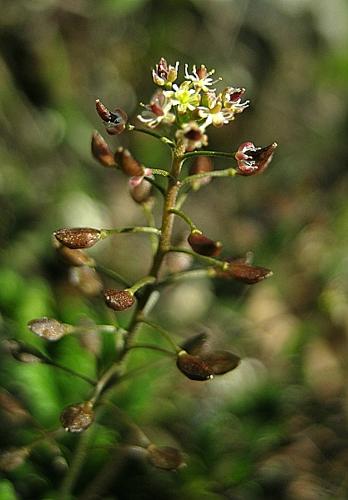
{"x": 227, "y": 172}
{"x": 155, "y": 184}
{"x": 193, "y": 274}
{"x": 150, "y": 219}
{"x": 151, "y": 346}
{"x": 165, "y": 140}
{"x": 202, "y": 258}
{"x": 161, "y": 330}
{"x": 131, "y": 229}
{"x": 112, "y": 274}
{"x": 185, "y": 217}
{"x": 214, "y": 154}
{"x": 141, "y": 283}
{"x": 71, "y": 372}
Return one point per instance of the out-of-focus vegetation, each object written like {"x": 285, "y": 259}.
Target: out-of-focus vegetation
{"x": 277, "y": 426}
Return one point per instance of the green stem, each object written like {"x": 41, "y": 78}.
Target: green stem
{"x": 150, "y": 219}
{"x": 151, "y": 346}
{"x": 159, "y": 171}
{"x": 130, "y": 229}
{"x": 75, "y": 467}
{"x": 228, "y": 172}
{"x": 71, "y": 372}
{"x": 193, "y": 274}
{"x": 160, "y": 330}
{"x": 202, "y": 258}
{"x": 141, "y": 283}
{"x": 163, "y": 139}
{"x": 155, "y": 184}
{"x": 185, "y": 217}
{"x": 213, "y": 154}
{"x": 110, "y": 273}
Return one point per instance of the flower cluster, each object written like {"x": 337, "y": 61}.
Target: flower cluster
{"x": 192, "y": 105}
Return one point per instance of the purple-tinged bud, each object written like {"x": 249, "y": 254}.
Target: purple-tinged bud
{"x": 244, "y": 272}
{"x": 203, "y": 245}
{"x": 253, "y": 160}
{"x": 74, "y": 257}
{"x": 78, "y": 237}
{"x": 101, "y": 151}
{"x": 221, "y": 362}
{"x": 49, "y": 329}
{"x": 115, "y": 121}
{"x": 77, "y": 417}
{"x": 118, "y": 300}
{"x": 13, "y": 458}
{"x": 164, "y": 74}
{"x": 193, "y": 367}
{"x": 140, "y": 191}
{"x": 165, "y": 457}
{"x": 128, "y": 164}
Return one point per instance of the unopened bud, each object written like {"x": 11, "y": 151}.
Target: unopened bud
{"x": 203, "y": 245}
{"x": 13, "y": 458}
{"x": 140, "y": 191}
{"x": 49, "y": 329}
{"x": 221, "y": 362}
{"x": 128, "y": 164}
{"x": 193, "y": 367}
{"x": 74, "y": 257}
{"x": 77, "y": 417}
{"x": 101, "y": 151}
{"x": 244, "y": 272}
{"x": 115, "y": 121}
{"x": 118, "y": 300}
{"x": 165, "y": 457}
{"x": 78, "y": 237}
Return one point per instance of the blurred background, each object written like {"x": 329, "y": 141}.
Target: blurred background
{"x": 277, "y": 426}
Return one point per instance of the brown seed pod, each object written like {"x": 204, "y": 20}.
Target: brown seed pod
{"x": 165, "y": 457}
{"x": 128, "y": 164}
{"x": 24, "y": 353}
{"x": 114, "y": 121}
{"x": 101, "y": 151}
{"x": 13, "y": 458}
{"x": 221, "y": 362}
{"x": 78, "y": 237}
{"x": 244, "y": 272}
{"x": 203, "y": 245}
{"x": 49, "y": 329}
{"x": 118, "y": 300}
{"x": 193, "y": 367}
{"x": 195, "y": 344}
{"x": 77, "y": 417}
{"x": 74, "y": 257}
{"x": 253, "y": 160}
{"x": 86, "y": 279}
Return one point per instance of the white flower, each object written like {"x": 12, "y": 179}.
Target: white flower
{"x": 201, "y": 77}
{"x": 158, "y": 111}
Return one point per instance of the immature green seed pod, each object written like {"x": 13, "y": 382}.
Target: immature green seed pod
{"x": 77, "y": 417}
{"x": 118, "y": 300}
{"x": 165, "y": 457}
{"x": 203, "y": 245}
{"x": 49, "y": 329}
{"x": 78, "y": 237}
{"x": 193, "y": 367}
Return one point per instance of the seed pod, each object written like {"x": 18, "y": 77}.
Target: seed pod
{"x": 49, "y": 329}
{"x": 128, "y": 164}
{"x": 203, "y": 245}
{"x": 165, "y": 457}
{"x": 78, "y": 237}
{"x": 25, "y": 353}
{"x": 101, "y": 151}
{"x": 74, "y": 257}
{"x": 86, "y": 279}
{"x": 253, "y": 160}
{"x": 13, "y": 458}
{"x": 201, "y": 165}
{"x": 114, "y": 121}
{"x": 221, "y": 362}
{"x": 77, "y": 417}
{"x": 244, "y": 272}
{"x": 118, "y": 300}
{"x": 193, "y": 367}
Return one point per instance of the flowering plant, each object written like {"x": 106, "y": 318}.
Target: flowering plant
{"x": 187, "y": 110}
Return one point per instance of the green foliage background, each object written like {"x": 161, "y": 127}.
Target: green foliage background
{"x": 276, "y": 427}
